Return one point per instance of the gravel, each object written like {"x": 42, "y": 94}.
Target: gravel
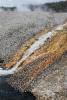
{"x": 16, "y": 27}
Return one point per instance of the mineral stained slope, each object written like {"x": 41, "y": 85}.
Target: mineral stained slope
{"x": 43, "y": 72}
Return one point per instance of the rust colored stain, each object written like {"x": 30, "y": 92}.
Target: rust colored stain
{"x": 54, "y": 50}
{"x": 14, "y": 58}
{"x": 41, "y": 59}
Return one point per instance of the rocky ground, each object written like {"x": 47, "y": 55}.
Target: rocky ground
{"x": 44, "y": 72}
{"x": 52, "y": 84}
{"x": 15, "y": 26}
{"x": 44, "y": 76}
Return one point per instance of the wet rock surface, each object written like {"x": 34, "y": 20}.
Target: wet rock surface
{"x": 52, "y": 84}
{"x": 45, "y": 76}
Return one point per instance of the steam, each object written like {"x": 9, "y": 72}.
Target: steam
{"x": 22, "y": 4}
{"x": 19, "y": 2}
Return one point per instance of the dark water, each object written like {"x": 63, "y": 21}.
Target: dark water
{"x": 9, "y": 93}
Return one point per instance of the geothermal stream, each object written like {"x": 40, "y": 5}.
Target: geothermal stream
{"x": 36, "y": 45}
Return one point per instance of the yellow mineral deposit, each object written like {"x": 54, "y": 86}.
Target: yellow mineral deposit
{"x": 35, "y": 48}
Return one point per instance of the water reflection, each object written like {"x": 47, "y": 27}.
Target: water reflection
{"x": 9, "y": 93}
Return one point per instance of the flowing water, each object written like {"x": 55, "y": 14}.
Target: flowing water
{"x": 6, "y": 91}
{"x": 36, "y": 45}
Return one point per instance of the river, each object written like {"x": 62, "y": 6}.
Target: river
{"x": 9, "y": 93}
